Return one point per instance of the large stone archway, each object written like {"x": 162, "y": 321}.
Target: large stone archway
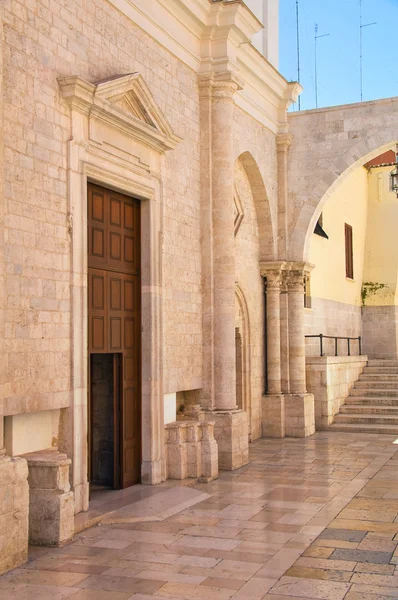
{"x": 327, "y": 145}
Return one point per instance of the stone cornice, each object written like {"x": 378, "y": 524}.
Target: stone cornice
{"x": 103, "y": 100}
{"x": 215, "y": 37}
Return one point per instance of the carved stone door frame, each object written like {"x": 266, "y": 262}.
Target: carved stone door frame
{"x": 118, "y": 137}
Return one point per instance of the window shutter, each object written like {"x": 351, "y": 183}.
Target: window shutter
{"x": 349, "y": 256}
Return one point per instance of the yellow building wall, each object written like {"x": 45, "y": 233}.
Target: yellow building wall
{"x": 381, "y": 253}
{"x": 348, "y": 204}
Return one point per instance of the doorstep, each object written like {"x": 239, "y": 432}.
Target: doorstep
{"x": 139, "y": 503}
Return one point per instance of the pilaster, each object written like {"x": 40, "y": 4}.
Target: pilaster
{"x": 217, "y": 110}
{"x": 283, "y": 142}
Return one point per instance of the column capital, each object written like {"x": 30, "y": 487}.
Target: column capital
{"x": 272, "y": 266}
{"x": 219, "y": 85}
{"x": 296, "y": 275}
{"x": 283, "y": 141}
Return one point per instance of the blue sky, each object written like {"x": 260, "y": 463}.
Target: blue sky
{"x": 338, "y": 54}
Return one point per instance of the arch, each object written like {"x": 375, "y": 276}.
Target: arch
{"x": 246, "y": 351}
{"x": 326, "y": 183}
{"x": 327, "y": 145}
{"x": 265, "y": 223}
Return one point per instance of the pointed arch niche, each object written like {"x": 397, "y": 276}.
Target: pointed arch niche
{"x": 117, "y": 138}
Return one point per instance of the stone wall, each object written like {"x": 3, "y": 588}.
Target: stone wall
{"x": 14, "y": 510}
{"x": 330, "y": 380}
{"x": 335, "y": 319}
{"x": 42, "y": 43}
{"x": 380, "y": 331}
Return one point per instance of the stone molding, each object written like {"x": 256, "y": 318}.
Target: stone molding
{"x": 124, "y": 103}
{"x": 213, "y": 37}
{"x": 219, "y": 85}
{"x": 283, "y": 142}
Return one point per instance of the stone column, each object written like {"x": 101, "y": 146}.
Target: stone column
{"x": 231, "y": 429}
{"x": 300, "y": 412}
{"x": 285, "y": 378}
{"x": 273, "y": 414}
{"x": 273, "y": 291}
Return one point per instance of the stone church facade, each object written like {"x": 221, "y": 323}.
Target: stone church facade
{"x": 145, "y": 201}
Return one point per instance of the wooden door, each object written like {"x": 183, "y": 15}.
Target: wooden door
{"x": 114, "y": 308}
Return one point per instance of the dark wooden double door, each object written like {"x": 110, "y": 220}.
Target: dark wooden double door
{"x": 114, "y": 296}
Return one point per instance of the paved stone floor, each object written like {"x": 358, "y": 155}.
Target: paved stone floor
{"x": 313, "y": 519}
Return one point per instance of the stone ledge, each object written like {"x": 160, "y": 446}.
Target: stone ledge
{"x": 333, "y": 360}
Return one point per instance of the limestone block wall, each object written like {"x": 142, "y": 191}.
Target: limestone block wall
{"x": 335, "y": 319}
{"x": 330, "y": 379}
{"x": 380, "y": 331}
{"x": 14, "y": 510}
{"x": 43, "y": 42}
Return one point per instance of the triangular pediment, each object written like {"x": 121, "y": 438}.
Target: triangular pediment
{"x": 131, "y": 94}
{"x": 125, "y": 98}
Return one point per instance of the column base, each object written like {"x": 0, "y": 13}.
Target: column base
{"x": 231, "y": 430}
{"x": 14, "y": 513}
{"x": 82, "y": 493}
{"x": 273, "y": 416}
{"x": 300, "y": 415}
{"x": 153, "y": 472}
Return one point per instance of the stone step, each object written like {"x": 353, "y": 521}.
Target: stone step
{"x": 389, "y": 377}
{"x": 372, "y": 400}
{"x": 369, "y": 409}
{"x": 382, "y": 363}
{"x": 378, "y": 384}
{"x": 368, "y": 419}
{"x": 374, "y": 392}
{"x": 353, "y": 428}
{"x": 381, "y": 370}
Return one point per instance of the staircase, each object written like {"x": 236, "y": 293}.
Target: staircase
{"x": 372, "y": 406}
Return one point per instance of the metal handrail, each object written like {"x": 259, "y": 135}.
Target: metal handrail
{"x": 336, "y": 339}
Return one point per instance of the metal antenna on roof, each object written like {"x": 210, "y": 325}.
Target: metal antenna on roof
{"x": 361, "y": 27}
{"x": 317, "y": 37}
{"x": 298, "y": 48}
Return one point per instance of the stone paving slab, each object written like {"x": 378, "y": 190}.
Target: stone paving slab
{"x": 303, "y": 520}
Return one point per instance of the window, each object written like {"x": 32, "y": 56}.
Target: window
{"x": 349, "y": 255}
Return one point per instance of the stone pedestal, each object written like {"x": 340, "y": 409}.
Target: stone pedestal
{"x": 14, "y": 511}
{"x": 209, "y": 453}
{"x": 191, "y": 450}
{"x": 51, "y": 503}
{"x": 273, "y": 415}
{"x": 232, "y": 434}
{"x": 300, "y": 415}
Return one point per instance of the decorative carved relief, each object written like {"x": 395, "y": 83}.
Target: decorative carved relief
{"x": 238, "y": 211}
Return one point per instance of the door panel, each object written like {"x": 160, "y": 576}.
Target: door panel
{"x": 115, "y": 308}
